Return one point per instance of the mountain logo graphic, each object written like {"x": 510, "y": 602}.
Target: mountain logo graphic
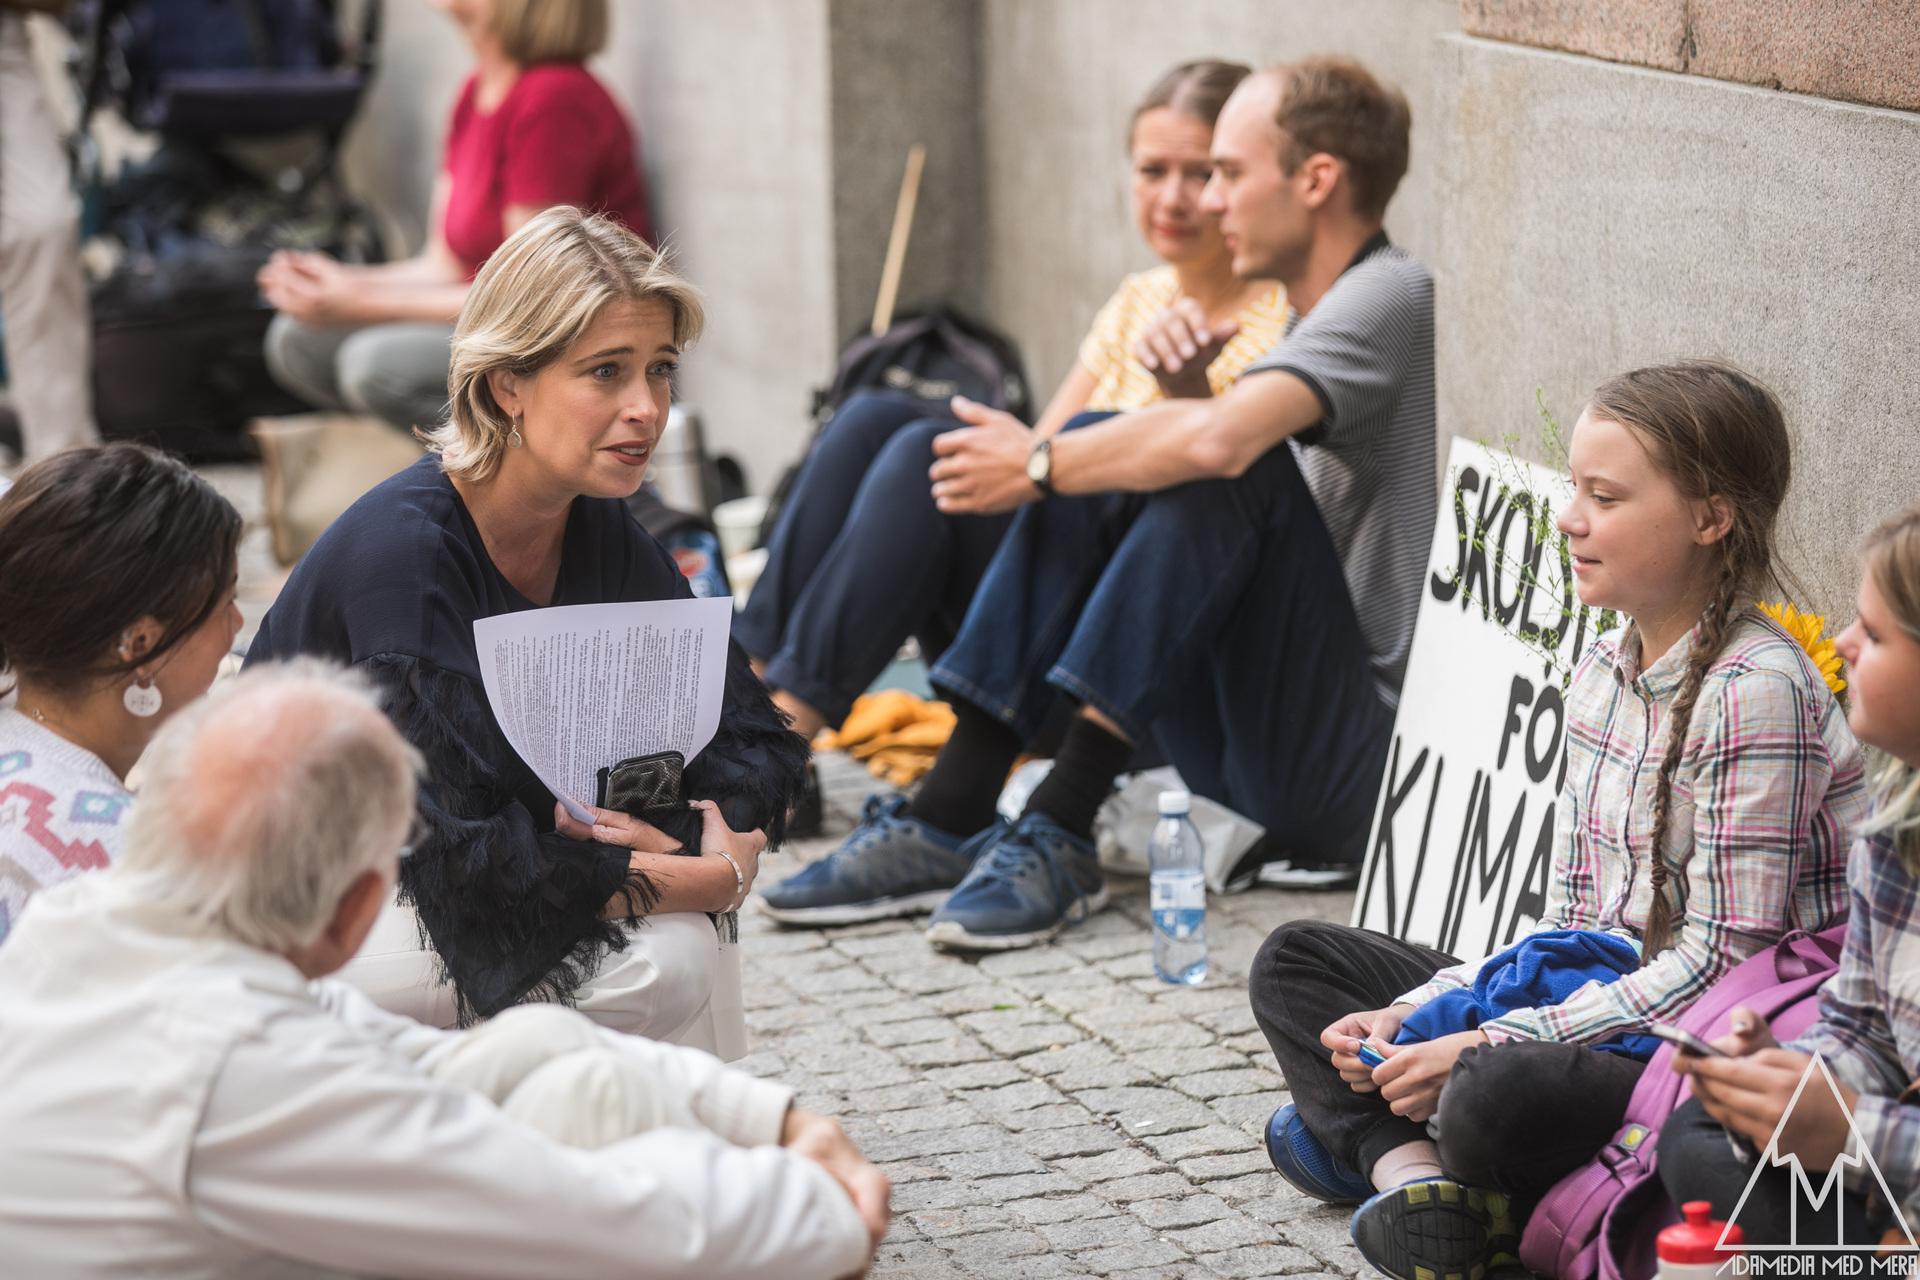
{"x": 1825, "y": 1231}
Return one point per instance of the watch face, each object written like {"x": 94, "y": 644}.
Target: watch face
{"x": 1038, "y": 465}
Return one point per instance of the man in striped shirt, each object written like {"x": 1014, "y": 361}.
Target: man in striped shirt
{"x": 1235, "y": 575}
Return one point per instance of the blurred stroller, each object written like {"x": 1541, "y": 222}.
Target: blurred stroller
{"x": 247, "y": 103}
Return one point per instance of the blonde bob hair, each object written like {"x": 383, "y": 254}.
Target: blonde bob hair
{"x": 532, "y": 300}
{"x": 536, "y": 31}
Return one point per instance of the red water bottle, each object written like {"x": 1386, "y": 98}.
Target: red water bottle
{"x": 1691, "y": 1250}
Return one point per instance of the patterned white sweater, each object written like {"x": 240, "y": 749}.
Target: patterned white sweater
{"x": 62, "y": 811}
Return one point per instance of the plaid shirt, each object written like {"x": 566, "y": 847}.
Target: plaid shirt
{"x": 1869, "y": 1027}
{"x": 1766, "y": 799}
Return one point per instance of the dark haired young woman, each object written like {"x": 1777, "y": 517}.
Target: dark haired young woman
{"x": 117, "y": 574}
{"x": 1712, "y": 789}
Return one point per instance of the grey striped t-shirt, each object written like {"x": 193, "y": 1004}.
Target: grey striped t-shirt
{"x": 1366, "y": 349}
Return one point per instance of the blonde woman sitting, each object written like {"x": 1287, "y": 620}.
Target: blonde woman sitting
{"x": 563, "y": 361}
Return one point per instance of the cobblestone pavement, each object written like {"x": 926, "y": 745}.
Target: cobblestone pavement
{"x": 1051, "y": 1112}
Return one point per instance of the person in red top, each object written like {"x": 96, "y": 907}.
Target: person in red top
{"x": 532, "y": 128}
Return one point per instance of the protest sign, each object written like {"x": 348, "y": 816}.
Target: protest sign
{"x": 1463, "y": 833}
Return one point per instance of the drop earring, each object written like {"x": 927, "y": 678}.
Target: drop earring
{"x": 514, "y": 438}
{"x": 142, "y": 699}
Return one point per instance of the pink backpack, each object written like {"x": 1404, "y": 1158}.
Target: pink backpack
{"x": 1602, "y": 1219}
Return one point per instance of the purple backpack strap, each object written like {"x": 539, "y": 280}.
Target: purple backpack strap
{"x": 1569, "y": 1231}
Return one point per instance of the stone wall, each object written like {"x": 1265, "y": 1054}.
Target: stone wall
{"x": 1600, "y": 216}
{"x": 1857, "y": 50}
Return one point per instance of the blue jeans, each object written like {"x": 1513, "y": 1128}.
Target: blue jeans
{"x": 1213, "y": 616}
{"x": 860, "y": 558}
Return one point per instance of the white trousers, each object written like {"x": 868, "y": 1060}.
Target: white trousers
{"x": 675, "y": 981}
{"x": 547, "y": 1068}
{"x": 43, "y": 296}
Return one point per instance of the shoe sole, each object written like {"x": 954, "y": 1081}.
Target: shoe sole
{"x": 1306, "y": 1186}
{"x": 913, "y": 904}
{"x": 951, "y": 935}
{"x": 1437, "y": 1231}
{"x": 1291, "y": 879}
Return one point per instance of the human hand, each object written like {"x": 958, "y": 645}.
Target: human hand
{"x": 1413, "y": 1075}
{"x": 1345, "y": 1036}
{"x": 1178, "y": 345}
{"x": 1750, "y": 1034}
{"x": 821, "y": 1139}
{"x": 981, "y": 468}
{"x": 299, "y": 264}
{"x": 1749, "y": 1095}
{"x": 311, "y": 288}
{"x": 610, "y": 826}
{"x": 745, "y": 847}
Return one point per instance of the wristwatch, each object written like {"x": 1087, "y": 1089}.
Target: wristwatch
{"x": 1040, "y": 466}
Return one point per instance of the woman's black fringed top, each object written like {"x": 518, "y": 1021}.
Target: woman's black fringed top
{"x": 514, "y": 909}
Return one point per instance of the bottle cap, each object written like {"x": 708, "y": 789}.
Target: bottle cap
{"x": 1697, "y": 1239}
{"x": 1175, "y": 801}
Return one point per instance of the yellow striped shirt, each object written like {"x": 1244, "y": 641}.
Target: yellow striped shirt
{"x": 1124, "y": 383}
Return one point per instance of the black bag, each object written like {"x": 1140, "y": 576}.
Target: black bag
{"x": 177, "y": 356}
{"x": 934, "y": 355}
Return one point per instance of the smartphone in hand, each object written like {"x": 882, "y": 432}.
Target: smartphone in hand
{"x": 1369, "y": 1055}
{"x": 1686, "y": 1041}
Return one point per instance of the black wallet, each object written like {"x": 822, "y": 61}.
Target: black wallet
{"x": 642, "y": 785}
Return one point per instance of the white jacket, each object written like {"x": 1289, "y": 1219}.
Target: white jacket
{"x": 175, "y": 1105}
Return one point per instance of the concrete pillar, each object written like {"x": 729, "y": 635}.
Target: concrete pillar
{"x": 775, "y": 133}
{"x": 906, "y": 71}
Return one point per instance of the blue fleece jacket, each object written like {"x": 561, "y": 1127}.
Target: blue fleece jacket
{"x": 1538, "y": 971}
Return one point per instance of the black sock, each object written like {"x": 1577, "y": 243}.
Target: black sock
{"x": 958, "y": 794}
{"x": 1082, "y": 778}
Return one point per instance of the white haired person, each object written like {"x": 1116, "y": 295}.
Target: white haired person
{"x": 563, "y": 363}
{"x": 187, "y": 1094}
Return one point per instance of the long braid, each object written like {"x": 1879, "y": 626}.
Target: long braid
{"x": 1718, "y": 619}
{"x": 1720, "y": 437}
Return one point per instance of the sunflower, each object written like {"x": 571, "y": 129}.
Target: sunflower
{"x": 1808, "y": 629}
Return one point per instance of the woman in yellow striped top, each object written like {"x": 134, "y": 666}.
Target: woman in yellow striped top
{"x": 861, "y": 558}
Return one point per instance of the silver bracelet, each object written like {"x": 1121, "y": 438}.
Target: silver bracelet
{"x": 739, "y": 881}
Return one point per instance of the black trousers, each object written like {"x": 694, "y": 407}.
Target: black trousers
{"x": 1697, "y": 1162}
{"x": 1514, "y": 1118}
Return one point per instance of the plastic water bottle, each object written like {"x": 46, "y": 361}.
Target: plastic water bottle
{"x": 1178, "y": 894}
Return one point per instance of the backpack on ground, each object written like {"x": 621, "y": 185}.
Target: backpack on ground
{"x": 934, "y": 355}
{"x": 1602, "y": 1219}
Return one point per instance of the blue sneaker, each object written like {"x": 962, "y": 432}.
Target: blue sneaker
{"x": 1437, "y": 1228}
{"x": 892, "y": 865}
{"x": 1307, "y": 1165}
{"x": 1028, "y": 884}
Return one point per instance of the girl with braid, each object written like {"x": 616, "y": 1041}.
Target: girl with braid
{"x": 1712, "y": 790}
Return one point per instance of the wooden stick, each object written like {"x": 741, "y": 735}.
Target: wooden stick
{"x": 897, "y": 239}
